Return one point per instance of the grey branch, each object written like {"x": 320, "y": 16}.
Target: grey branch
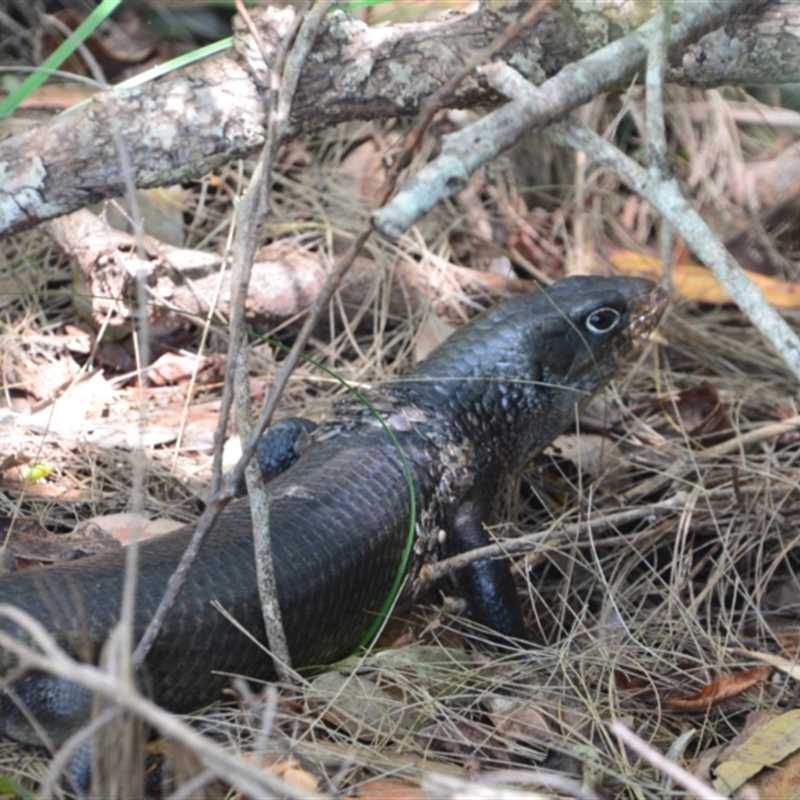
{"x": 666, "y": 197}
{"x": 466, "y": 150}
{"x": 180, "y": 127}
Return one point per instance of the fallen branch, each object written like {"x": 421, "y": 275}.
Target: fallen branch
{"x": 180, "y": 127}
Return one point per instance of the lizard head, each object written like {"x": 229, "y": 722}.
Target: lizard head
{"x": 514, "y": 377}
{"x": 585, "y": 327}
{"x": 582, "y": 330}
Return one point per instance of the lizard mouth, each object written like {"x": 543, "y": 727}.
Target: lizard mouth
{"x": 645, "y": 318}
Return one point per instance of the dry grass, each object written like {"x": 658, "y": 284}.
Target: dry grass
{"x": 627, "y": 617}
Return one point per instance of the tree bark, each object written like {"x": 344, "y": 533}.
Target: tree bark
{"x": 180, "y": 127}
{"x": 285, "y": 281}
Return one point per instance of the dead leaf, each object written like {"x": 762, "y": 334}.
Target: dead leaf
{"x": 705, "y": 761}
{"x": 726, "y": 687}
{"x": 389, "y": 789}
{"x": 693, "y": 282}
{"x": 10, "y": 461}
{"x": 703, "y": 416}
{"x": 633, "y": 681}
{"x": 67, "y": 415}
{"x": 44, "y": 381}
{"x": 119, "y": 526}
{"x": 766, "y": 747}
{"x": 162, "y": 213}
{"x": 32, "y": 543}
{"x": 780, "y": 783}
{"x": 595, "y": 456}
{"x": 360, "y": 706}
{"x": 77, "y": 340}
{"x": 464, "y": 738}
{"x": 362, "y": 171}
{"x": 431, "y": 334}
{"x": 294, "y": 775}
{"x": 172, "y": 368}
{"x": 519, "y": 719}
{"x": 46, "y": 490}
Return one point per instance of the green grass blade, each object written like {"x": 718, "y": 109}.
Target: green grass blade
{"x": 57, "y": 58}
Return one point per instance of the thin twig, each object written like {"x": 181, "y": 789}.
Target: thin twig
{"x": 55, "y": 661}
{"x": 664, "y": 195}
{"x": 658, "y": 160}
{"x": 194, "y": 786}
{"x": 464, "y": 151}
{"x": 259, "y": 499}
{"x": 527, "y": 544}
{"x": 260, "y": 502}
{"x": 658, "y": 760}
{"x": 284, "y": 78}
{"x": 249, "y": 215}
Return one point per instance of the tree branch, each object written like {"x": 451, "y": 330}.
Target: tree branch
{"x": 466, "y": 150}
{"x": 180, "y": 127}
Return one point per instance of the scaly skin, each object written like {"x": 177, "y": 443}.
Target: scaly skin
{"x": 470, "y": 415}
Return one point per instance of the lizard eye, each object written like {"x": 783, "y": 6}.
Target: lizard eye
{"x": 602, "y": 320}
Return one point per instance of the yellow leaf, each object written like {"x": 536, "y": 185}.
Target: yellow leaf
{"x": 696, "y": 283}
{"x": 778, "y": 739}
{"x": 35, "y": 472}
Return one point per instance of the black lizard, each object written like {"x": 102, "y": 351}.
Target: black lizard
{"x": 476, "y": 410}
